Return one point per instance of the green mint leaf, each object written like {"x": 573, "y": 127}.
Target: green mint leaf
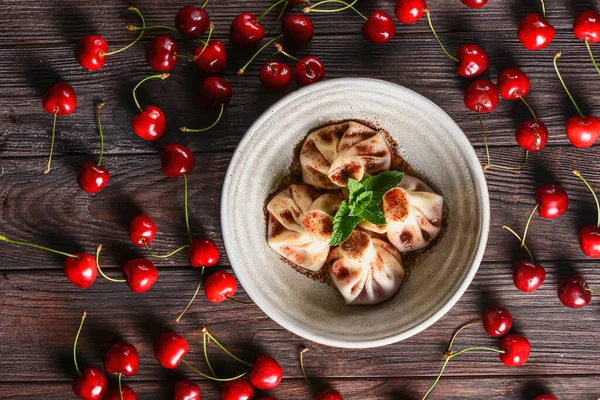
{"x": 343, "y": 224}
{"x": 372, "y": 214}
{"x": 355, "y": 188}
{"x": 363, "y": 199}
{"x": 380, "y": 184}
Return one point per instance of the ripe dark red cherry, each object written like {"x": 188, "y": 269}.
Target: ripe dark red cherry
{"x": 545, "y": 397}
{"x": 219, "y": 286}
{"x": 309, "y": 70}
{"x": 114, "y": 394}
{"x": 186, "y": 390}
{"x": 266, "y": 373}
{"x": 122, "y": 358}
{"x": 513, "y": 84}
{"x": 474, "y": 3}
{"x": 535, "y": 32}
{"x": 192, "y": 21}
{"x": 92, "y": 178}
{"x": 81, "y": 271}
{"x": 587, "y": 26}
{"x": 60, "y": 98}
{"x": 90, "y": 385}
{"x": 410, "y": 11}
{"x": 177, "y": 160}
{"x": 553, "y": 201}
{"x": 497, "y": 321}
{"x": 142, "y": 229}
{"x": 169, "y": 349}
{"x": 473, "y": 61}
{"x": 161, "y": 53}
{"x": 203, "y": 253}
{"x": 583, "y": 131}
{"x": 149, "y": 124}
{"x": 481, "y": 95}
{"x": 528, "y": 276}
{"x": 329, "y": 394}
{"x": 379, "y": 28}
{"x": 297, "y": 30}
{"x": 90, "y": 52}
{"x": 238, "y": 389}
{"x": 141, "y": 274}
{"x": 275, "y": 76}
{"x": 245, "y": 31}
{"x": 589, "y": 241}
{"x": 517, "y": 350}
{"x": 532, "y": 135}
{"x": 215, "y": 93}
{"x": 573, "y": 292}
{"x": 211, "y": 60}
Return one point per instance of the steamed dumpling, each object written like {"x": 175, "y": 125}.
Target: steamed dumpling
{"x": 414, "y": 214}
{"x": 333, "y": 154}
{"x": 365, "y": 270}
{"x": 301, "y": 224}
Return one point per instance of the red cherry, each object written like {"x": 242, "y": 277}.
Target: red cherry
{"x": 142, "y": 229}
{"x": 215, "y": 93}
{"x": 410, "y": 11}
{"x": 203, "y": 253}
{"x": 186, "y": 390}
{"x": 329, "y": 394}
{"x": 122, "y": 358}
{"x": 237, "y": 389}
{"x": 528, "y": 276}
{"x": 266, "y": 373}
{"x": 275, "y": 76}
{"x": 481, "y": 95}
{"x": 211, "y": 60}
{"x": 532, "y": 135}
{"x": 92, "y": 178}
{"x": 245, "y": 30}
{"x": 90, "y": 385}
{"x": 587, "y": 26}
{"x": 176, "y": 160}
{"x": 589, "y": 241}
{"x": 192, "y": 21}
{"x": 545, "y": 397}
{"x": 309, "y": 70}
{"x": 219, "y": 286}
{"x": 169, "y": 349}
{"x": 141, "y": 274}
{"x": 573, "y": 292}
{"x": 474, "y": 3}
{"x": 497, "y": 321}
{"x": 161, "y": 53}
{"x": 535, "y": 32}
{"x": 149, "y": 124}
{"x": 114, "y": 394}
{"x": 553, "y": 201}
{"x": 297, "y": 30}
{"x": 513, "y": 84}
{"x": 379, "y": 27}
{"x": 81, "y": 271}
{"x": 473, "y": 61}
{"x": 90, "y": 52}
{"x": 583, "y": 131}
{"x": 517, "y": 350}
{"x": 60, "y": 98}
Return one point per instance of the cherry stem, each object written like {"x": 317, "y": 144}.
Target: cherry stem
{"x": 537, "y": 205}
{"x": 205, "y": 3}
{"x": 161, "y": 76}
{"x": 347, "y": 5}
{"x": 556, "y": 56}
{"x": 528, "y": 107}
{"x": 185, "y": 207}
{"x": 212, "y": 378}
{"x": 268, "y": 10}
{"x": 211, "y": 337}
{"x": 193, "y": 298}
{"x": 110, "y": 53}
{"x": 120, "y": 388}
{"x": 37, "y": 246}
{"x": 150, "y": 27}
{"x": 101, "y": 134}
{"x": 578, "y": 174}
{"x": 163, "y": 256}
{"x": 206, "y": 355}
{"x": 98, "y": 250}
{"x": 83, "y": 315}
{"x": 304, "y": 350}
{"x": 438, "y": 39}
{"x": 487, "y": 150}
{"x": 243, "y": 69}
{"x": 589, "y": 49}
{"x": 519, "y": 237}
{"x": 465, "y": 326}
{"x": 47, "y": 170}
{"x": 285, "y": 5}
{"x": 486, "y": 167}
{"x": 543, "y": 9}
{"x": 186, "y": 129}
{"x": 205, "y": 43}
{"x": 593, "y": 291}
{"x": 240, "y": 301}
{"x": 281, "y": 51}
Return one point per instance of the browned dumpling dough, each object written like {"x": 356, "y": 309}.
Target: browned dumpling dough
{"x": 333, "y": 154}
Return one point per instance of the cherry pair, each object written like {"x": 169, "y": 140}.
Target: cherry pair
{"x": 325, "y": 394}
{"x": 121, "y": 359}
{"x": 534, "y": 31}
{"x": 59, "y": 99}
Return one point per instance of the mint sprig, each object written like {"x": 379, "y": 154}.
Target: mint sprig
{"x": 363, "y": 204}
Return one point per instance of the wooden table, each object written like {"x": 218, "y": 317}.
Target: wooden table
{"x": 40, "y": 309}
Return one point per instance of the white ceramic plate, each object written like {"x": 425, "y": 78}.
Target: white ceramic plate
{"x": 434, "y": 146}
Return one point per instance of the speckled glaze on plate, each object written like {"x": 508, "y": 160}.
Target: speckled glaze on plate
{"x": 431, "y": 143}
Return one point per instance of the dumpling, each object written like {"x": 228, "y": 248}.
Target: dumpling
{"x": 365, "y": 270}
{"x": 333, "y": 154}
{"x": 300, "y": 225}
{"x": 414, "y": 214}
